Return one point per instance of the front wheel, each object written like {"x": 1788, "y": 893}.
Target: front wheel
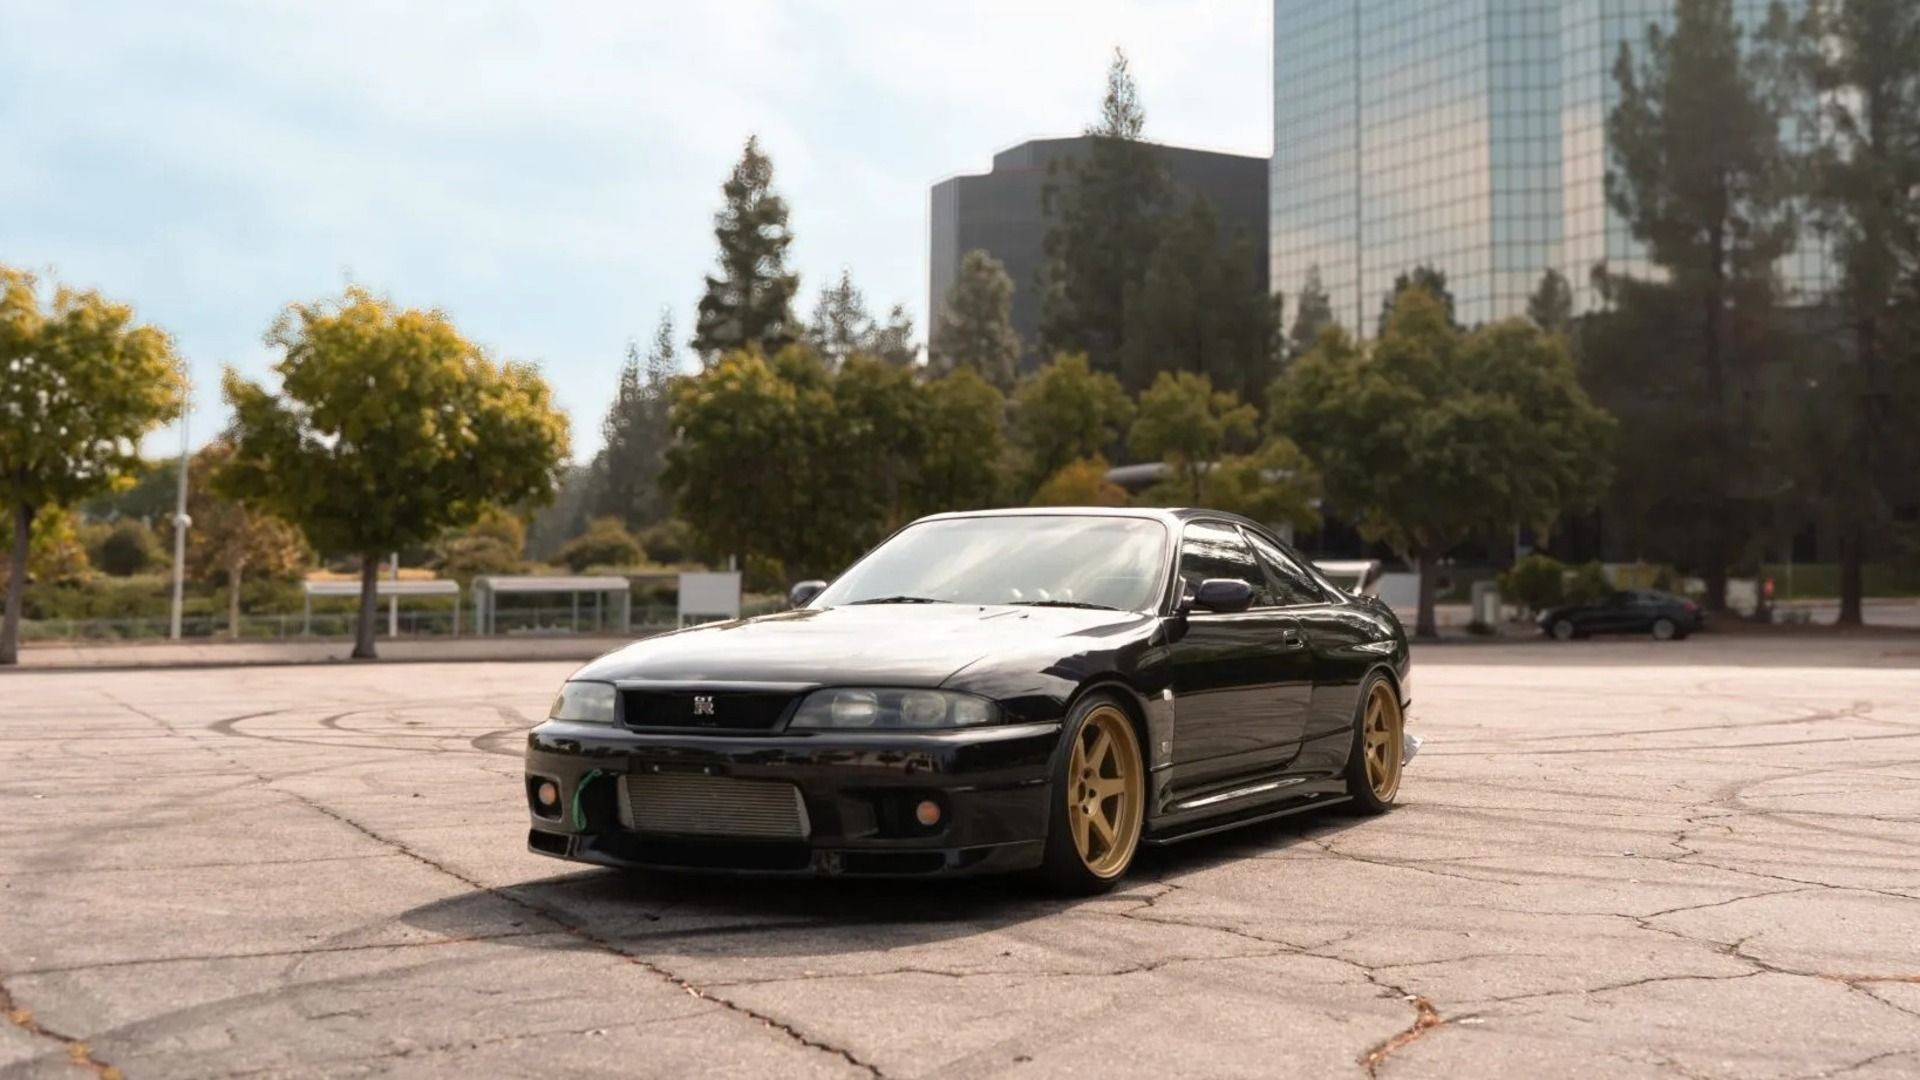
{"x": 1379, "y": 736}
{"x": 1099, "y": 800}
{"x": 1664, "y": 630}
{"x": 1563, "y": 629}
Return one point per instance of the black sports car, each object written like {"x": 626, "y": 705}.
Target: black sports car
{"x": 1040, "y": 689}
{"x": 1629, "y": 611}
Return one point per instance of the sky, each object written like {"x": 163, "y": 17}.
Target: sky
{"x": 546, "y": 173}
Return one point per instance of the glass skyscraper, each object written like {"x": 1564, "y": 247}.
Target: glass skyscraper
{"x": 1465, "y": 134}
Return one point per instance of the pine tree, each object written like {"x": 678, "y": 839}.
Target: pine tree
{"x": 974, "y": 328}
{"x": 750, "y": 303}
{"x": 892, "y": 341}
{"x": 1104, "y": 213}
{"x": 1199, "y": 310}
{"x": 841, "y": 325}
{"x": 1430, "y": 279}
{"x": 636, "y": 434}
{"x": 1310, "y": 313}
{"x": 1551, "y": 305}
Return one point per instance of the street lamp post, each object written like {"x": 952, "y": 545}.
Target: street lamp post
{"x": 180, "y": 523}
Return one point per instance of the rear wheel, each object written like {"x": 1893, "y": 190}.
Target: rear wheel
{"x": 1099, "y": 800}
{"x": 1379, "y": 735}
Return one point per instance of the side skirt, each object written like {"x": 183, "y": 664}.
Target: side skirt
{"x": 1252, "y": 816}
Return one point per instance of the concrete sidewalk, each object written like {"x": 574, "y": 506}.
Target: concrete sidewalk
{"x": 107, "y": 656}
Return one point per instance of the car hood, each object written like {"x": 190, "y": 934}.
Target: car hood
{"x": 881, "y": 644}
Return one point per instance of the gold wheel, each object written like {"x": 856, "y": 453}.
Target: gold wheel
{"x": 1105, "y": 791}
{"x": 1381, "y": 741}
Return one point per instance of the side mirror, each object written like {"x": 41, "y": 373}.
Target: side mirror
{"x": 1222, "y": 595}
{"x": 803, "y": 592}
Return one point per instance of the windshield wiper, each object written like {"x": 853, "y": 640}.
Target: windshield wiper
{"x": 897, "y": 600}
{"x": 1062, "y": 603}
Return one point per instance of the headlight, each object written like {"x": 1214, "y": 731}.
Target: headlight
{"x": 589, "y": 702}
{"x": 849, "y": 709}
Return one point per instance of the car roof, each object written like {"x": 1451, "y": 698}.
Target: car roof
{"x": 1171, "y": 515}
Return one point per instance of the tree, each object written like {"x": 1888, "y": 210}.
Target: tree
{"x": 390, "y": 427}
{"x": 1698, "y": 173}
{"x": 1103, "y": 228}
{"x": 128, "y": 548}
{"x": 1184, "y": 422}
{"x": 82, "y": 385}
{"x": 493, "y": 544}
{"x": 841, "y": 325}
{"x": 892, "y": 341}
{"x": 605, "y": 543}
{"x": 228, "y": 538}
{"x": 1064, "y": 411}
{"x": 751, "y": 301}
{"x": 1551, "y": 305}
{"x": 636, "y": 433}
{"x": 963, "y": 450}
{"x": 1433, "y": 436}
{"x": 1428, "y": 279}
{"x": 1080, "y": 482}
{"x": 1199, "y": 309}
{"x": 1276, "y": 484}
{"x": 1311, "y": 313}
{"x": 878, "y": 444}
{"x": 1852, "y": 65}
{"x": 974, "y": 327}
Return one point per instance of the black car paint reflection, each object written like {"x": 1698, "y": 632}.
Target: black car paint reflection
{"x": 1261, "y": 701}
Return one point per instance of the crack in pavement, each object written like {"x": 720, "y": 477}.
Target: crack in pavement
{"x": 78, "y": 1052}
{"x": 1426, "y": 1018}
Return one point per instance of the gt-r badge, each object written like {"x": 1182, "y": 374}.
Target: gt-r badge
{"x": 703, "y": 704}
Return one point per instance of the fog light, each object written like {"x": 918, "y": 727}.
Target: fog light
{"x": 548, "y": 794}
{"x": 927, "y": 813}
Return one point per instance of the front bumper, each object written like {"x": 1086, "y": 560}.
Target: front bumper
{"x": 858, "y": 789}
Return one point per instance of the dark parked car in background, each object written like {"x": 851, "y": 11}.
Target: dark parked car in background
{"x": 1005, "y": 690}
{"x": 1630, "y": 611}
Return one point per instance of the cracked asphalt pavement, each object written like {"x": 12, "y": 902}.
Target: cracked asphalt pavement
{"x": 1619, "y": 859}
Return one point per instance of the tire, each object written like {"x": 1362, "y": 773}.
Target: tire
{"x": 1665, "y": 630}
{"x": 1379, "y": 742}
{"x": 1099, "y": 797}
{"x": 1562, "y": 630}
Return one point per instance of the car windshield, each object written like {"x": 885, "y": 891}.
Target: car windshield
{"x": 1040, "y": 559}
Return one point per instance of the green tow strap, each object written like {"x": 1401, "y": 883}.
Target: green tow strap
{"x": 579, "y": 813}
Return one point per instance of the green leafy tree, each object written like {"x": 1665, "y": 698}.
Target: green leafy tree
{"x": 1551, "y": 305}
{"x": 493, "y": 544}
{"x": 963, "y": 451}
{"x": 841, "y": 324}
{"x": 754, "y": 472}
{"x": 56, "y": 551}
{"x": 1080, "y": 482}
{"x": 1199, "y": 309}
{"x": 636, "y": 434}
{"x": 1311, "y": 312}
{"x": 1065, "y": 411}
{"x": 1104, "y": 215}
{"x": 228, "y": 539}
{"x": 880, "y": 438}
{"x": 606, "y": 543}
{"x": 1699, "y": 175}
{"x": 1275, "y": 484}
{"x": 128, "y": 548}
{"x": 1854, "y": 68}
{"x": 1184, "y": 422}
{"x": 1428, "y": 279}
{"x": 750, "y": 301}
{"x": 80, "y": 384}
{"x": 1432, "y": 436}
{"x": 974, "y": 328}
{"x": 389, "y": 428}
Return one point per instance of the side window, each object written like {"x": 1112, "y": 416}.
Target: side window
{"x": 1212, "y": 550}
{"x": 1291, "y": 584}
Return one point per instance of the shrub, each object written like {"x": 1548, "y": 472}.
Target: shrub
{"x": 605, "y": 543}
{"x": 1587, "y": 584}
{"x": 669, "y": 542}
{"x": 129, "y": 548}
{"x": 1536, "y": 582}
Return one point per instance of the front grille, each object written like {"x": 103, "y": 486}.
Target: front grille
{"x": 690, "y": 805}
{"x": 719, "y": 711}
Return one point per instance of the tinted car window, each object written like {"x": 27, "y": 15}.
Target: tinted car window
{"x": 1291, "y": 584}
{"x": 1210, "y": 550}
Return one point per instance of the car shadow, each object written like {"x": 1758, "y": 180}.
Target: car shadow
{"x": 746, "y": 917}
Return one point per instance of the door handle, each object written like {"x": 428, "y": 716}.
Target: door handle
{"x": 1291, "y": 638}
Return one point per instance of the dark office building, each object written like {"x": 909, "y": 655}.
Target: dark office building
{"x": 1000, "y": 212}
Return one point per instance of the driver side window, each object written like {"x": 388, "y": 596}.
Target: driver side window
{"x": 1212, "y": 550}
